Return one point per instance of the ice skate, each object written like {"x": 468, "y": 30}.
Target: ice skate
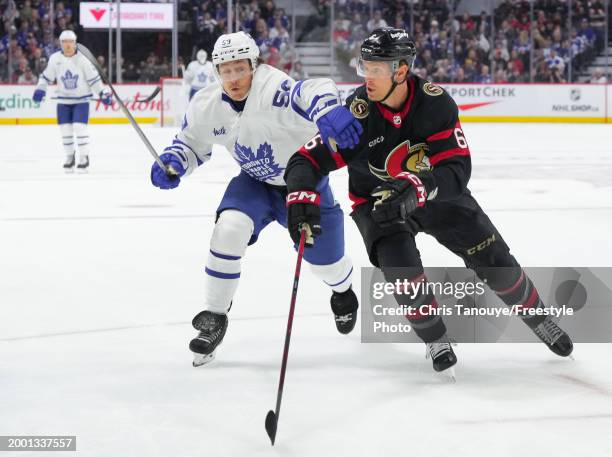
{"x": 344, "y": 306}
{"x": 211, "y": 327}
{"x": 83, "y": 164}
{"x": 442, "y": 356}
{"x": 554, "y": 337}
{"x": 69, "y": 163}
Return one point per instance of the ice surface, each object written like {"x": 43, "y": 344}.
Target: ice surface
{"x": 101, "y": 273}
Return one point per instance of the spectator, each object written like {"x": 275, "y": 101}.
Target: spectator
{"x": 27, "y": 77}
{"x": 598, "y": 77}
{"x": 376, "y": 22}
{"x": 485, "y": 76}
{"x": 298, "y": 71}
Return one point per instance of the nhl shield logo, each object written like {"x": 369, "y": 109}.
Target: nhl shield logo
{"x": 397, "y": 120}
{"x": 575, "y": 95}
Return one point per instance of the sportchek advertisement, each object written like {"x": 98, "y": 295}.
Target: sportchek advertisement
{"x": 477, "y": 103}
{"x": 527, "y": 102}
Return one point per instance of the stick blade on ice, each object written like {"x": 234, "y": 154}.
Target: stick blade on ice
{"x": 271, "y": 424}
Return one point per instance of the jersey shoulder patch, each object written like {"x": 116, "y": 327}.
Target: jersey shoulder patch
{"x": 432, "y": 90}
{"x": 359, "y": 108}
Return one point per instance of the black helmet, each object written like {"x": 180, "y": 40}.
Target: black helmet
{"x": 389, "y": 44}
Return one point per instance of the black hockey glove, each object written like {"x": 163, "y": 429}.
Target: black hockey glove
{"x": 303, "y": 208}
{"x": 397, "y": 199}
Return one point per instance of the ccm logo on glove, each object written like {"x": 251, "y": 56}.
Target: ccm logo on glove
{"x": 303, "y": 196}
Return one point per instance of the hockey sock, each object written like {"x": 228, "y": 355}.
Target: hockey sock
{"x": 337, "y": 275}
{"x": 228, "y": 245}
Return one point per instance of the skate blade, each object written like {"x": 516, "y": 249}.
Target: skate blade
{"x": 82, "y": 171}
{"x": 69, "y": 171}
{"x": 202, "y": 359}
{"x": 447, "y": 375}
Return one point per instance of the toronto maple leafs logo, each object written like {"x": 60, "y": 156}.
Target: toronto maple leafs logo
{"x": 202, "y": 77}
{"x": 259, "y": 165}
{"x": 69, "y": 80}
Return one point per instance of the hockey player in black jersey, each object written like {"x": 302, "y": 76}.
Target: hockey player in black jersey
{"x": 409, "y": 174}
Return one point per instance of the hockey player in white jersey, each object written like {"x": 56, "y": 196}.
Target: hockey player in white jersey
{"x": 199, "y": 73}
{"x": 76, "y": 80}
{"x": 261, "y": 116}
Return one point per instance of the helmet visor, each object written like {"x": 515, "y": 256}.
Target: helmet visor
{"x": 374, "y": 69}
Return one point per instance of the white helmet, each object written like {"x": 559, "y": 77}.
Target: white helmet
{"x": 235, "y": 46}
{"x": 67, "y": 35}
{"x": 201, "y": 56}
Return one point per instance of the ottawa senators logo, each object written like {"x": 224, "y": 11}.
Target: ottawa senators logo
{"x": 432, "y": 89}
{"x": 359, "y": 108}
{"x": 403, "y": 158}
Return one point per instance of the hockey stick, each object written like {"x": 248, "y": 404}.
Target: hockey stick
{"x": 170, "y": 171}
{"x": 272, "y": 416}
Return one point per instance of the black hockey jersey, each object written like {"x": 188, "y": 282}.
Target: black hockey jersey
{"x": 424, "y": 137}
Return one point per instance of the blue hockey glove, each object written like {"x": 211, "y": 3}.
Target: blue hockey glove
{"x": 159, "y": 176}
{"x": 39, "y": 94}
{"x": 340, "y": 125}
{"x": 106, "y": 98}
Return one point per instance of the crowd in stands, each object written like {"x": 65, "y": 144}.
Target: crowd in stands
{"x": 29, "y": 34}
{"x": 488, "y": 47}
{"x": 508, "y": 45}
{"x": 268, "y": 25}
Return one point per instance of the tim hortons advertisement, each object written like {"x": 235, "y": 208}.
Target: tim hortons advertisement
{"x": 17, "y": 107}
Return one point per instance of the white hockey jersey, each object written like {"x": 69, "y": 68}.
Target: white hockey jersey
{"x": 279, "y": 116}
{"x": 76, "y": 78}
{"x": 198, "y": 76}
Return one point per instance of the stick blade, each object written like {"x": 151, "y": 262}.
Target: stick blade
{"x": 271, "y": 424}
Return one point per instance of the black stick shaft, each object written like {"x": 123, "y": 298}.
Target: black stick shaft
{"x": 296, "y": 280}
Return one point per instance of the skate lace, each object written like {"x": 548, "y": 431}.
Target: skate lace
{"x": 435, "y": 349}
{"x": 209, "y": 329}
{"x": 548, "y": 331}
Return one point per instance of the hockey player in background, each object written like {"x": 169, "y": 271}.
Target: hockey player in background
{"x": 409, "y": 174}
{"x": 261, "y": 116}
{"x": 199, "y": 73}
{"x": 76, "y": 80}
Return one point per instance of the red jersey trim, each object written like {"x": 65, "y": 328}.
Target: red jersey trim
{"x": 440, "y": 156}
{"x": 356, "y": 200}
{"x": 304, "y": 152}
{"x": 338, "y": 159}
{"x": 444, "y": 134}
{"x": 390, "y": 115}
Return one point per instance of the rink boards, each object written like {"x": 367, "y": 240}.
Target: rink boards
{"x": 575, "y": 103}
